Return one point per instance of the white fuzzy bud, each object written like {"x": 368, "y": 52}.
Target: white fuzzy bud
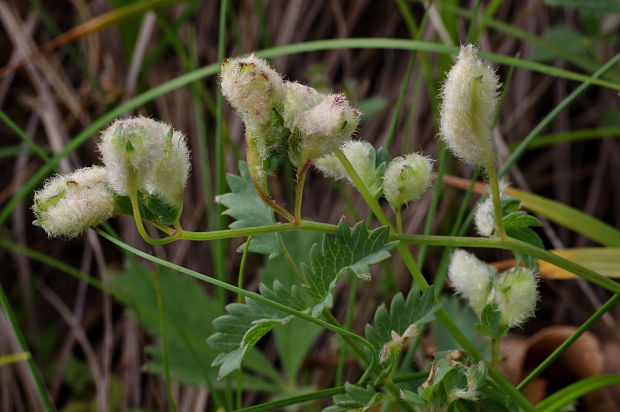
{"x": 157, "y": 156}
{"x": 469, "y": 104}
{"x": 69, "y": 204}
{"x": 252, "y": 87}
{"x": 134, "y": 144}
{"x": 363, "y": 159}
{"x": 323, "y": 129}
{"x": 484, "y": 217}
{"x": 516, "y": 294}
{"x": 298, "y": 99}
{"x": 406, "y": 179}
{"x": 471, "y": 278}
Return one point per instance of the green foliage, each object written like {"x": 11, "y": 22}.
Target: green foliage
{"x": 152, "y": 207}
{"x": 563, "y": 39}
{"x": 418, "y": 309}
{"x": 490, "y": 321}
{"x": 247, "y": 323}
{"x": 349, "y": 251}
{"x": 356, "y": 398}
{"x": 245, "y": 206}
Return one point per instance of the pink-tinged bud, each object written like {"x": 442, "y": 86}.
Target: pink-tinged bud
{"x": 468, "y": 108}
{"x": 69, "y": 204}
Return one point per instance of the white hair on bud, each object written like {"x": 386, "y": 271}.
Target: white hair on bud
{"x": 252, "y": 87}
{"x": 484, "y": 217}
{"x": 168, "y": 176}
{"x": 469, "y": 104}
{"x": 298, "y": 99}
{"x": 363, "y": 159}
{"x": 69, "y": 204}
{"x": 324, "y": 128}
{"x": 471, "y": 278}
{"x": 406, "y": 179}
{"x": 516, "y": 294}
{"x": 136, "y": 143}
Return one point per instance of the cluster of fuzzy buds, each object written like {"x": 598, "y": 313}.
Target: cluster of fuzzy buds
{"x": 468, "y": 108}
{"x": 406, "y": 179}
{"x": 363, "y": 158}
{"x": 280, "y": 114}
{"x": 515, "y": 291}
{"x": 139, "y": 154}
{"x": 143, "y": 154}
{"x": 70, "y": 204}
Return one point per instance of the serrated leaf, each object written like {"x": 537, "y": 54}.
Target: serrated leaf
{"x": 416, "y": 309}
{"x": 489, "y": 320}
{"x": 517, "y": 220}
{"x": 356, "y": 398}
{"x": 245, "y": 324}
{"x": 152, "y": 208}
{"x": 248, "y": 209}
{"x": 351, "y": 250}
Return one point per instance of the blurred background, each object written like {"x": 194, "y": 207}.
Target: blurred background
{"x": 65, "y": 64}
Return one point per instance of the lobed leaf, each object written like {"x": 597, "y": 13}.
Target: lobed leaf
{"x": 246, "y": 323}
{"x": 245, "y": 206}
{"x": 351, "y": 250}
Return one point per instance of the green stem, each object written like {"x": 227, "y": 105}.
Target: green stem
{"x": 275, "y": 405}
{"x": 242, "y": 267}
{"x": 36, "y": 374}
{"x": 332, "y": 319}
{"x": 135, "y": 206}
{"x": 245, "y": 293}
{"x": 164, "y": 340}
{"x": 299, "y": 189}
{"x": 496, "y": 196}
{"x": 560, "y": 349}
{"x": 399, "y": 220}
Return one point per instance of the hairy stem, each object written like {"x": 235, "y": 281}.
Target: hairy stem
{"x": 496, "y": 197}
{"x": 299, "y": 189}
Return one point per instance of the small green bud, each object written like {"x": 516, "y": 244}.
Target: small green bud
{"x": 323, "y": 129}
{"x": 468, "y": 108}
{"x": 69, "y": 204}
{"x": 363, "y": 159}
{"x": 516, "y": 293}
{"x": 471, "y": 278}
{"x": 406, "y": 179}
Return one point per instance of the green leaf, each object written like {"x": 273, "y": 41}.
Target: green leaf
{"x": 416, "y": 309}
{"x": 490, "y": 321}
{"x": 152, "y": 208}
{"x": 612, "y": 6}
{"x": 569, "y": 217}
{"x": 247, "y": 323}
{"x": 575, "y": 391}
{"x": 519, "y": 220}
{"x": 525, "y": 234}
{"x": 248, "y": 209}
{"x": 564, "y": 39}
{"x": 463, "y": 316}
{"x": 356, "y": 398}
{"x": 349, "y": 251}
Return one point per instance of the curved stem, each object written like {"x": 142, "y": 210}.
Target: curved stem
{"x": 496, "y": 197}
{"x": 299, "y": 189}
{"x": 252, "y": 295}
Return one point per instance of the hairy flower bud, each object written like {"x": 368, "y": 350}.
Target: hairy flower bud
{"x": 406, "y": 179}
{"x": 252, "y": 88}
{"x": 168, "y": 176}
{"x": 516, "y": 294}
{"x": 323, "y": 129}
{"x": 299, "y": 99}
{"x": 471, "y": 278}
{"x": 69, "y": 204}
{"x": 484, "y": 217}
{"x": 363, "y": 159}
{"x": 135, "y": 145}
{"x": 155, "y": 154}
{"x": 469, "y": 104}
